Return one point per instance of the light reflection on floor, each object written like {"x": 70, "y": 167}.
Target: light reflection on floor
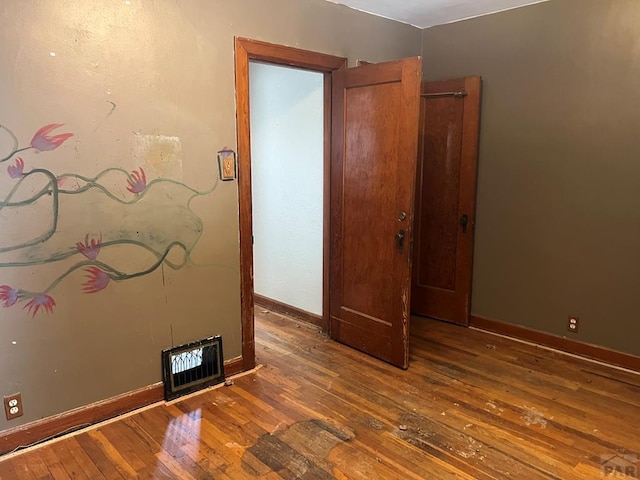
{"x": 182, "y": 437}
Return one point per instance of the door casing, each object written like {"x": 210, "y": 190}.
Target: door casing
{"x": 245, "y": 51}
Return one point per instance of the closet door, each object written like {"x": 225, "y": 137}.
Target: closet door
{"x": 445, "y": 199}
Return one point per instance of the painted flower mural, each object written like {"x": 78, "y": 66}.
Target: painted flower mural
{"x": 110, "y": 218}
{"x": 16, "y": 170}
{"x": 8, "y": 296}
{"x": 138, "y": 181}
{"x": 90, "y": 249}
{"x": 40, "y": 301}
{"x": 96, "y": 280}
{"x": 42, "y": 141}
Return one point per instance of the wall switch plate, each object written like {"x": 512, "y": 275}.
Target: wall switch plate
{"x": 573, "y": 324}
{"x": 13, "y": 406}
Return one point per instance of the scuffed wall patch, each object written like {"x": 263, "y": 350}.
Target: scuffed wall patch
{"x": 161, "y": 155}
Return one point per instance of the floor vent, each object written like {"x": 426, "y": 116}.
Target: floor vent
{"x": 192, "y": 366}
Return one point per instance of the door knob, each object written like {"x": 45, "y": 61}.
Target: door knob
{"x": 464, "y": 220}
{"x": 400, "y": 240}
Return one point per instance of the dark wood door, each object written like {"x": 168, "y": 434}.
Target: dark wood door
{"x": 373, "y": 171}
{"x": 445, "y": 199}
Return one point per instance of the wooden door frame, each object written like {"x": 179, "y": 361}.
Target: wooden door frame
{"x": 245, "y": 51}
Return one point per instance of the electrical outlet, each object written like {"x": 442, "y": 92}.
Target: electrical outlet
{"x": 13, "y": 406}
{"x": 573, "y": 324}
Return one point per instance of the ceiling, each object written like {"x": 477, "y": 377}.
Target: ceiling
{"x": 427, "y": 13}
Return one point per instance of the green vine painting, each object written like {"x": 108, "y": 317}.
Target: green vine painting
{"x": 80, "y": 222}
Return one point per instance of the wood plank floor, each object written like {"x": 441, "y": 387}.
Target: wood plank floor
{"x": 471, "y": 406}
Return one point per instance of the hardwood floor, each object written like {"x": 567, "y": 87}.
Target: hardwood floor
{"x": 472, "y": 406}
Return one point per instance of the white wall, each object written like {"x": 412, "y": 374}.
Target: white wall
{"x": 287, "y": 182}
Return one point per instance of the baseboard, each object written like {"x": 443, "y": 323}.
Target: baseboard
{"x": 95, "y": 412}
{"x": 233, "y": 366}
{"x": 567, "y": 345}
{"x": 283, "y": 308}
{"x": 49, "y": 427}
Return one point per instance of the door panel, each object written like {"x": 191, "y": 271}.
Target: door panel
{"x": 445, "y": 199}
{"x": 440, "y": 190}
{"x": 374, "y": 152}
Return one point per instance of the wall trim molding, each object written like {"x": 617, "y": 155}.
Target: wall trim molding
{"x": 233, "y": 366}
{"x": 574, "y": 347}
{"x": 66, "y": 422}
{"x": 289, "y": 310}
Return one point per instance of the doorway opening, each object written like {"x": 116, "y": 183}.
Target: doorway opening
{"x": 286, "y": 109}
{"x": 247, "y": 52}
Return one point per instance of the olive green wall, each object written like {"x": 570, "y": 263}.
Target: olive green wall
{"x": 558, "y": 206}
{"x": 140, "y": 84}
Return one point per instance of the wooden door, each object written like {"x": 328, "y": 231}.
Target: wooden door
{"x": 373, "y": 170}
{"x": 445, "y": 199}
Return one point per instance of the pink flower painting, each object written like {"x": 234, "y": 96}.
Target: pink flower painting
{"x": 16, "y": 170}
{"x": 45, "y": 211}
{"x": 96, "y": 280}
{"x": 42, "y": 141}
{"x": 40, "y": 301}
{"x": 90, "y": 249}
{"x": 8, "y": 296}
{"x": 138, "y": 181}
